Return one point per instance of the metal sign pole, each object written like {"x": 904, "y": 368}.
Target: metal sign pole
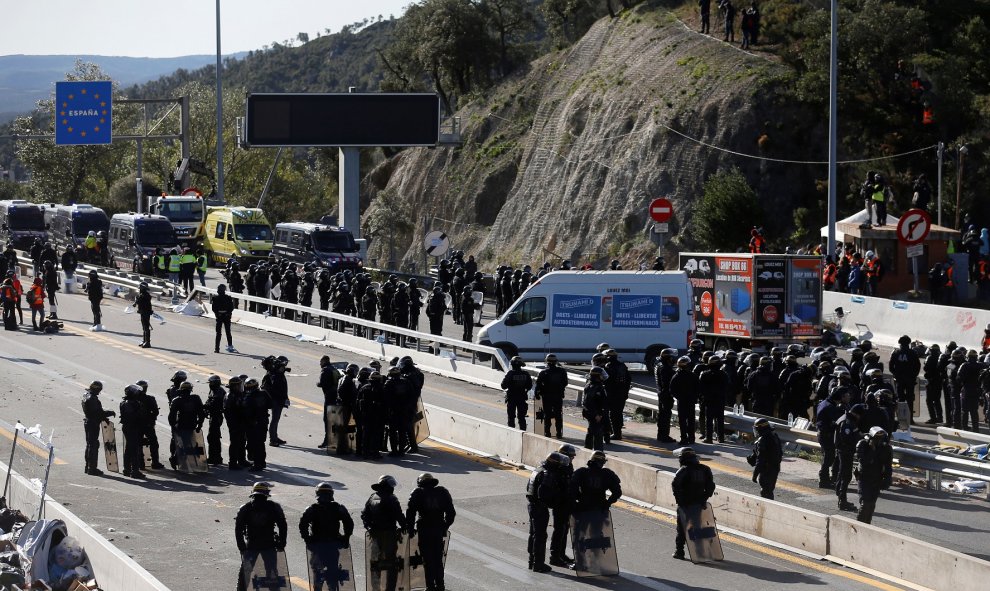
{"x": 44, "y": 483}
{"x": 10, "y": 465}
{"x": 914, "y": 267}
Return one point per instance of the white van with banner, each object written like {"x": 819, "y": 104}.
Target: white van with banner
{"x": 568, "y": 313}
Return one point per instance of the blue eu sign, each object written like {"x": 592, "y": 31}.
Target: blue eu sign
{"x": 83, "y": 112}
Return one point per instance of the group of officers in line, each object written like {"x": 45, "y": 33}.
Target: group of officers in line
{"x": 378, "y": 412}
{"x": 261, "y": 527}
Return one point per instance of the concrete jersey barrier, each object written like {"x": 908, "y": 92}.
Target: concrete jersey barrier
{"x": 886, "y": 320}
{"x": 113, "y": 569}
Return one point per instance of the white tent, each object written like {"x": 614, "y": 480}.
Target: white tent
{"x": 857, "y": 218}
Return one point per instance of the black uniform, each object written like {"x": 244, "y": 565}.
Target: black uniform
{"x": 516, "y": 385}
{"x": 468, "y": 309}
{"x": 594, "y": 488}
{"x": 875, "y": 474}
{"x": 971, "y": 394}
{"x": 257, "y": 403}
{"x": 664, "y": 371}
{"x": 233, "y": 410}
{"x": 371, "y": 423}
{"x": 214, "y": 411}
{"x": 94, "y": 291}
{"x": 551, "y": 384}
{"x": 260, "y": 526}
{"x": 933, "y": 391}
{"x": 847, "y": 434}
{"x": 185, "y": 413}
{"x": 546, "y": 488}
{"x": 436, "y": 307}
{"x": 595, "y": 410}
{"x": 150, "y": 407}
{"x": 382, "y": 518}
{"x": 617, "y": 389}
{"x": 713, "y": 383}
{"x": 398, "y": 392}
{"x": 277, "y": 387}
{"x": 145, "y": 310}
{"x": 329, "y": 379}
{"x": 764, "y": 388}
{"x": 347, "y": 398}
{"x": 693, "y": 485}
{"x": 435, "y": 510}
{"x": 132, "y": 423}
{"x": 684, "y": 388}
{"x": 223, "y": 310}
{"x": 905, "y": 365}
{"x": 827, "y": 415}
{"x": 93, "y": 415}
{"x": 766, "y": 458}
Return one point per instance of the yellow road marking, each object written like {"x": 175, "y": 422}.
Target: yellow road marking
{"x": 41, "y": 453}
{"x": 669, "y": 519}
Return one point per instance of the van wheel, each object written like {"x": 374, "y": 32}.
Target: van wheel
{"x": 650, "y": 361}
{"x": 722, "y": 345}
{"x": 135, "y": 267}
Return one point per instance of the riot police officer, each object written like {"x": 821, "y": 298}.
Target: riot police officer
{"x": 595, "y": 410}
{"x": 435, "y": 508}
{"x": 875, "y": 471}
{"x": 545, "y": 489}
{"x": 684, "y": 388}
{"x": 150, "y": 407}
{"x": 185, "y": 413}
{"x": 594, "y": 487}
{"x": 436, "y": 307}
{"x": 144, "y": 309}
{"x": 383, "y": 519}
{"x": 214, "y": 411}
{"x": 663, "y": 372}
{"x": 233, "y": 411}
{"x": 132, "y": 422}
{"x": 177, "y": 379}
{"x": 693, "y": 485}
{"x": 617, "y": 387}
{"x": 260, "y": 525}
{"x": 325, "y": 521}
{"x": 257, "y": 403}
{"x": 551, "y": 384}
{"x": 371, "y": 408}
{"x": 847, "y": 435}
{"x": 766, "y": 457}
{"x": 93, "y": 416}
{"x": 516, "y": 385}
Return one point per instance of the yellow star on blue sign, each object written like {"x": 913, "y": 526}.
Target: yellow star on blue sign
{"x": 84, "y": 113}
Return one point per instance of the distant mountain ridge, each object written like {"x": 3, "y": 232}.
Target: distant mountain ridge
{"x": 25, "y": 79}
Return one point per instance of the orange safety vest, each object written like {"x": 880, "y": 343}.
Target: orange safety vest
{"x": 948, "y": 277}
{"x": 7, "y": 293}
{"x": 36, "y": 296}
{"x": 756, "y": 244}
{"x": 982, "y": 270}
{"x": 829, "y": 273}
{"x": 18, "y": 288}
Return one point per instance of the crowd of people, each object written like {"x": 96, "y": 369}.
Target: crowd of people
{"x": 749, "y": 25}
{"x": 41, "y": 292}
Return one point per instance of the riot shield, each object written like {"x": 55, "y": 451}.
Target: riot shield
{"x": 145, "y": 450}
{"x": 331, "y": 567}
{"x": 109, "y": 434}
{"x": 700, "y": 533}
{"x": 190, "y": 453}
{"x": 417, "y": 571}
{"x": 341, "y": 430}
{"x": 265, "y": 571}
{"x": 594, "y": 544}
{"x": 538, "y": 412}
{"x": 421, "y": 427}
{"x": 386, "y": 555}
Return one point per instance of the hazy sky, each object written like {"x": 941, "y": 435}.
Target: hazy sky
{"x": 150, "y": 28}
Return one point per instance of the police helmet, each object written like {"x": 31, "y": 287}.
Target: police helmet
{"x": 934, "y": 349}
{"x": 568, "y": 450}
{"x": 683, "y": 361}
{"x": 871, "y": 356}
{"x": 143, "y": 286}
{"x": 143, "y": 385}
{"x": 516, "y": 362}
{"x": 873, "y": 373}
{"x": 958, "y": 353}
{"x": 668, "y": 353}
{"x": 685, "y": 453}
{"x": 602, "y": 347}
{"x": 706, "y": 356}
{"x": 385, "y": 481}
{"x": 790, "y": 359}
{"x": 697, "y": 344}
{"x": 597, "y": 373}
{"x": 426, "y": 478}
{"x": 730, "y": 354}
{"x": 714, "y": 361}
{"x": 185, "y": 387}
{"x": 234, "y": 382}
{"x": 251, "y": 384}
{"x": 598, "y": 457}
{"x": 179, "y": 376}
{"x": 551, "y": 359}
{"x": 132, "y": 390}
{"x": 394, "y": 372}
{"x": 877, "y": 432}
{"x": 324, "y": 488}
{"x": 611, "y": 353}
{"x": 760, "y": 424}
{"x": 214, "y": 379}
{"x": 777, "y": 351}
{"x": 351, "y": 369}
{"x": 765, "y": 361}
{"x": 375, "y": 376}
{"x": 904, "y": 340}
{"x": 375, "y": 364}
{"x": 972, "y": 354}
{"x": 555, "y": 459}
{"x": 598, "y": 359}
{"x": 262, "y": 488}
{"x": 795, "y": 349}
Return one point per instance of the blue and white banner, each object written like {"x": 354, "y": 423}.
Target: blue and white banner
{"x": 576, "y": 311}
{"x": 636, "y": 311}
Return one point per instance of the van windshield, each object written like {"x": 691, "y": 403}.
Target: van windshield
{"x": 26, "y": 218}
{"x": 84, "y": 223}
{"x": 183, "y": 211}
{"x": 252, "y": 232}
{"x": 154, "y": 233}
{"x": 329, "y": 240}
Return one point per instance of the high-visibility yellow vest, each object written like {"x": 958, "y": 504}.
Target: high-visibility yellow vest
{"x": 201, "y": 263}
{"x": 188, "y": 258}
{"x": 160, "y": 261}
{"x": 173, "y": 263}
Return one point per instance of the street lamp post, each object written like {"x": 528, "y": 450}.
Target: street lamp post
{"x": 833, "y": 128}
{"x": 219, "y": 116}
{"x": 963, "y": 150}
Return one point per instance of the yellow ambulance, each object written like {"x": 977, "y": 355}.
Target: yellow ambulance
{"x": 237, "y": 232}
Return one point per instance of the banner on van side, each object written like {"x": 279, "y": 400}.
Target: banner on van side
{"x": 636, "y": 311}
{"x": 576, "y": 311}
{"x": 806, "y": 298}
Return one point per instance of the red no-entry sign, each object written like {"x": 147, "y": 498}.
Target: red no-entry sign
{"x": 913, "y": 227}
{"x": 661, "y": 210}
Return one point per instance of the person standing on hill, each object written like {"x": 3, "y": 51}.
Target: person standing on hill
{"x": 705, "y": 6}
{"x": 729, "y": 13}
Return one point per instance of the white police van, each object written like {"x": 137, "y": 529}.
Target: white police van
{"x": 568, "y": 313}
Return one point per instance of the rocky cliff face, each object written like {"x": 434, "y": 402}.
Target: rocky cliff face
{"x": 564, "y": 159}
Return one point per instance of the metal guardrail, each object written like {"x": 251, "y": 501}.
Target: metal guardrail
{"x": 376, "y": 331}
{"x": 157, "y": 287}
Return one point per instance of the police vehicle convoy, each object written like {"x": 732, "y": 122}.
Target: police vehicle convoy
{"x": 243, "y": 233}
{"x": 331, "y": 247}
{"x": 21, "y": 223}
{"x": 71, "y": 224}
{"x": 134, "y": 239}
{"x": 639, "y": 313}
